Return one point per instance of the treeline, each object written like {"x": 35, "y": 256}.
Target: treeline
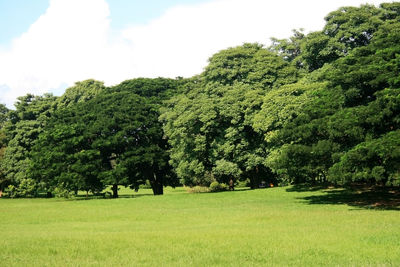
{"x": 319, "y": 108}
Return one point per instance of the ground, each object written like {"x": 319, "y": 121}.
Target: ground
{"x": 295, "y": 226}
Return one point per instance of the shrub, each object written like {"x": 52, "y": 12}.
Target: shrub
{"x": 245, "y": 183}
{"x": 198, "y": 189}
{"x": 224, "y": 187}
{"x": 147, "y": 185}
{"x": 218, "y": 187}
{"x": 26, "y": 188}
{"x": 214, "y": 186}
{"x": 63, "y": 193}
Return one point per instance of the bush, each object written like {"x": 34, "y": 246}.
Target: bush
{"x": 63, "y": 193}
{"x": 147, "y": 185}
{"x": 218, "y": 187}
{"x": 214, "y": 186}
{"x": 26, "y": 188}
{"x": 198, "y": 189}
{"x": 245, "y": 183}
{"x": 224, "y": 187}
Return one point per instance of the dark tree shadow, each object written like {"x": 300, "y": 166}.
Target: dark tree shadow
{"x": 81, "y": 197}
{"x": 362, "y": 197}
{"x": 306, "y": 188}
{"x": 136, "y": 195}
{"x": 240, "y": 189}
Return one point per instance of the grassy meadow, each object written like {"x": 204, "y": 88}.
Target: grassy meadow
{"x": 276, "y": 226}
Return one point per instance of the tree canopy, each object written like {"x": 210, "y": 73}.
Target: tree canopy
{"x": 113, "y": 139}
{"x": 321, "y": 107}
{"x": 210, "y": 127}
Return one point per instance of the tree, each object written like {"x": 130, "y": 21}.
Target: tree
{"x": 22, "y": 129}
{"x": 112, "y": 139}
{"x": 156, "y": 92}
{"x": 126, "y": 129}
{"x": 375, "y": 158}
{"x": 80, "y": 92}
{"x": 375, "y": 161}
{"x": 3, "y": 118}
{"x": 290, "y": 122}
{"x": 343, "y": 106}
{"x": 289, "y": 49}
{"x": 250, "y": 64}
{"x": 210, "y": 127}
{"x": 344, "y": 30}
{"x": 62, "y": 158}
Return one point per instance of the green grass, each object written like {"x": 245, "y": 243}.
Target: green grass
{"x": 241, "y": 228}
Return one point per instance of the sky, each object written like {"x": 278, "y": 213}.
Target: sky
{"x": 48, "y": 45}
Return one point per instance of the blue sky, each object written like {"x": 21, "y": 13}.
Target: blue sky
{"x": 48, "y": 45}
{"x": 17, "y": 15}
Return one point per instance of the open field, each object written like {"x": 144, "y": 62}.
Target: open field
{"x": 277, "y": 226}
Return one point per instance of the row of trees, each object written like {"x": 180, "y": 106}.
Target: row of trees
{"x": 315, "y": 108}
{"x": 87, "y": 139}
{"x": 321, "y": 107}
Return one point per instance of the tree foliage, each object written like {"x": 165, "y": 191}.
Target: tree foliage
{"x": 22, "y": 128}
{"x": 210, "y": 128}
{"x": 80, "y": 92}
{"x": 317, "y": 107}
{"x": 343, "y": 106}
{"x": 112, "y": 139}
{"x": 3, "y": 118}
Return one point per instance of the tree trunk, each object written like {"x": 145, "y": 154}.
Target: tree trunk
{"x": 324, "y": 180}
{"x": 1, "y": 189}
{"x": 115, "y": 190}
{"x": 254, "y": 179}
{"x": 253, "y": 182}
{"x": 231, "y": 185}
{"x": 158, "y": 189}
{"x": 49, "y": 194}
{"x": 157, "y": 185}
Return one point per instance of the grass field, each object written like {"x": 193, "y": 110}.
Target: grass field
{"x": 277, "y": 226}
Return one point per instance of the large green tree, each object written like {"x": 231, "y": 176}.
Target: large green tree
{"x": 3, "y": 118}
{"x": 344, "y": 30}
{"x": 156, "y": 92}
{"x": 112, "y": 139}
{"x": 210, "y": 127}
{"x": 347, "y": 103}
{"x": 22, "y": 129}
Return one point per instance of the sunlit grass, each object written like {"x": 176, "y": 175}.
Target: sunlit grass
{"x": 241, "y": 228}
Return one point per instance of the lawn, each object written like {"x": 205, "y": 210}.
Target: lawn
{"x": 276, "y": 226}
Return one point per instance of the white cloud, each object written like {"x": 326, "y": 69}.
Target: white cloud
{"x": 70, "y": 42}
{"x": 180, "y": 42}
{"x": 73, "y": 41}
